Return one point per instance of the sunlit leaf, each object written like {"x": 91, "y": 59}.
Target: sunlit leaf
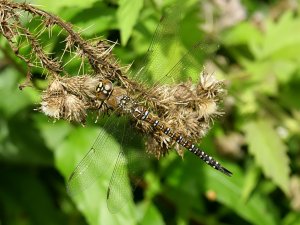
{"x": 10, "y": 93}
{"x": 292, "y": 218}
{"x": 151, "y": 214}
{"x": 281, "y": 40}
{"x": 53, "y": 133}
{"x": 127, "y": 15}
{"x": 57, "y": 5}
{"x": 97, "y": 19}
{"x": 228, "y": 191}
{"x": 242, "y": 34}
{"x": 251, "y": 180}
{"x": 269, "y": 152}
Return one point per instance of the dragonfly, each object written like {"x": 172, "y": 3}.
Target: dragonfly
{"x": 132, "y": 105}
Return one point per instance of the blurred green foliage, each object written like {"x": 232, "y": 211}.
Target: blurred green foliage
{"x": 258, "y": 58}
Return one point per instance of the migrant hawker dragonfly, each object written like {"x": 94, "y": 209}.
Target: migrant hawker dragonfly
{"x": 152, "y": 118}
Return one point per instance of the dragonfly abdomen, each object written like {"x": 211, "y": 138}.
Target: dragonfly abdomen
{"x": 144, "y": 115}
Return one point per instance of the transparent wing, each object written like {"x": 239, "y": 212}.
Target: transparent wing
{"x": 188, "y": 67}
{"x": 167, "y": 60}
{"x": 127, "y": 172}
{"x": 119, "y": 192}
{"x": 125, "y": 159}
{"x": 99, "y": 160}
{"x": 163, "y": 50}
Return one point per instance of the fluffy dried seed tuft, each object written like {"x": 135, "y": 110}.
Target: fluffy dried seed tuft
{"x": 69, "y": 98}
{"x": 51, "y": 105}
{"x": 74, "y": 109}
{"x": 187, "y": 108}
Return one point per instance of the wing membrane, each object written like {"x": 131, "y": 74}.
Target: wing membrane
{"x": 163, "y": 50}
{"x": 189, "y": 66}
{"x": 97, "y": 161}
{"x": 124, "y": 158}
{"x": 119, "y": 192}
{"x": 128, "y": 168}
{"x": 167, "y": 60}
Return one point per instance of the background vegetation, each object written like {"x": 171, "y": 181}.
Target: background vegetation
{"x": 257, "y": 138}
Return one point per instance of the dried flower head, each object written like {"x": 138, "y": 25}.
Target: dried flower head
{"x": 69, "y": 98}
{"x": 185, "y": 107}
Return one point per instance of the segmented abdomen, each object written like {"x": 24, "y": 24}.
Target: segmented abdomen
{"x": 144, "y": 115}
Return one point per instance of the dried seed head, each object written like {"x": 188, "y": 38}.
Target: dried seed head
{"x": 187, "y": 108}
{"x": 208, "y": 108}
{"x": 209, "y": 86}
{"x": 82, "y": 86}
{"x": 52, "y": 100}
{"x": 69, "y": 97}
{"x": 155, "y": 147}
{"x": 56, "y": 87}
{"x": 51, "y": 105}
{"x": 207, "y": 81}
{"x": 74, "y": 109}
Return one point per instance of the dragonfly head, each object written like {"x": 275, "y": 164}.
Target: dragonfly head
{"x": 104, "y": 90}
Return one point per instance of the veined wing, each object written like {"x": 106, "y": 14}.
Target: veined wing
{"x": 163, "y": 51}
{"x": 98, "y": 161}
{"x": 188, "y": 67}
{"x": 167, "y": 61}
{"x": 127, "y": 170}
{"x": 124, "y": 158}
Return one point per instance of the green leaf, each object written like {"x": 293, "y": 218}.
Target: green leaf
{"x": 53, "y": 133}
{"x": 57, "y": 5}
{"x": 183, "y": 172}
{"x": 242, "y": 34}
{"x": 269, "y": 152}
{"x": 192, "y": 178}
{"x": 10, "y": 92}
{"x": 127, "y": 15}
{"x": 21, "y": 141}
{"x": 264, "y": 74}
{"x": 292, "y": 218}
{"x": 151, "y": 215}
{"x": 281, "y": 40}
{"x": 96, "y": 19}
{"x": 288, "y": 93}
{"x": 229, "y": 191}
{"x": 251, "y": 180}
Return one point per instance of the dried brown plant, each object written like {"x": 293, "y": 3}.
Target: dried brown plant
{"x": 186, "y": 107}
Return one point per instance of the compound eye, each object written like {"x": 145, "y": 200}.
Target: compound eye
{"x": 99, "y": 87}
{"x": 107, "y": 86}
